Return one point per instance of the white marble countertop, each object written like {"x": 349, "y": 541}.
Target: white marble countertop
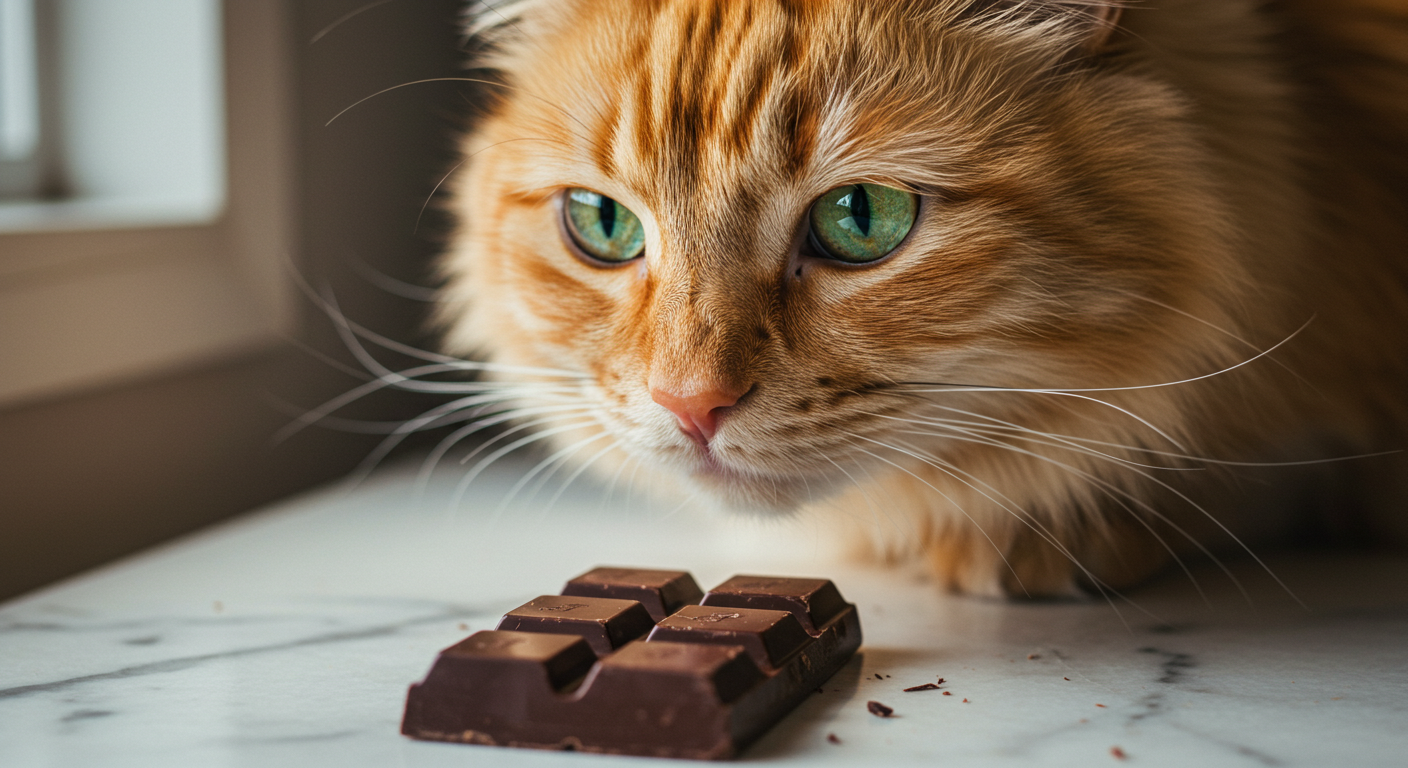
{"x": 288, "y": 637}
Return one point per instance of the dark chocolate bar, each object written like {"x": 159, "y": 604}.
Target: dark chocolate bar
{"x": 639, "y": 662}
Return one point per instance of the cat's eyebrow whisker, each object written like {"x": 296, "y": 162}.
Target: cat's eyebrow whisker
{"x": 477, "y": 81}
{"x": 1101, "y": 483}
{"x": 344, "y": 18}
{"x": 416, "y": 229}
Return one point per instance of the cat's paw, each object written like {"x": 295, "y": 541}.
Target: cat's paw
{"x": 1028, "y": 564}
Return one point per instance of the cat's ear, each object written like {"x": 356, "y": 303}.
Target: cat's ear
{"x": 486, "y": 17}
{"x": 1103, "y": 21}
{"x": 1091, "y": 23}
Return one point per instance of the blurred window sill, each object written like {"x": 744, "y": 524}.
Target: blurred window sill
{"x": 103, "y": 212}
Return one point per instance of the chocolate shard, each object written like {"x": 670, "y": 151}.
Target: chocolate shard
{"x": 815, "y": 602}
{"x": 605, "y": 624}
{"x": 661, "y": 592}
{"x": 770, "y": 637}
{"x": 879, "y": 710}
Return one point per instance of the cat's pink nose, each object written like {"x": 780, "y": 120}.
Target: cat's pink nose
{"x": 697, "y": 408}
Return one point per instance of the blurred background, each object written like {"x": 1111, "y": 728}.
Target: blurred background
{"x": 168, "y": 176}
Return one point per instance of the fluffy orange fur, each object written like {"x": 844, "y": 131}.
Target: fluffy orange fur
{"x": 1157, "y": 245}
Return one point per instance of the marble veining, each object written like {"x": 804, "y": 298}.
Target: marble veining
{"x": 288, "y": 637}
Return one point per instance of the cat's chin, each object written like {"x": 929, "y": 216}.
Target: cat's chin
{"x": 752, "y": 494}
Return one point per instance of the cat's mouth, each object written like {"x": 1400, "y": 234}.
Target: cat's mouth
{"x": 746, "y": 489}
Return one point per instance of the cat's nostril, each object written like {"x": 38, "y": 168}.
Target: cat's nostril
{"x": 698, "y": 408}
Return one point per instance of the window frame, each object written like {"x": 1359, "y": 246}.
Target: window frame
{"x": 88, "y": 301}
{"x": 19, "y": 93}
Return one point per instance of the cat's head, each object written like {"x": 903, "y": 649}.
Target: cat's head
{"x": 753, "y": 225}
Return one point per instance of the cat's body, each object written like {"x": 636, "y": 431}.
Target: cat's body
{"x": 1114, "y": 226}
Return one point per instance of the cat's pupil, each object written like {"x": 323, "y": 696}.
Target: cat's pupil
{"x": 606, "y": 213}
{"x": 860, "y": 209}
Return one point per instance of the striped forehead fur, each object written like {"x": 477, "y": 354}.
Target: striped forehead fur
{"x": 838, "y": 64}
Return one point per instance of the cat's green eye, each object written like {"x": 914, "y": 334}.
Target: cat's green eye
{"x": 861, "y": 223}
{"x": 603, "y": 228}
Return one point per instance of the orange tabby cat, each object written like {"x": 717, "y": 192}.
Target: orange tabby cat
{"x": 1028, "y": 288}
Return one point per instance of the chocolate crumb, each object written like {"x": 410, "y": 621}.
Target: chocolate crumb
{"x": 941, "y": 681}
{"x": 965, "y": 701}
{"x": 1102, "y": 706}
{"x": 878, "y": 709}
{"x": 946, "y": 693}
{"x": 878, "y": 676}
{"x": 820, "y": 691}
{"x": 924, "y": 687}
{"x": 833, "y": 738}
{"x": 1033, "y": 656}
{"x": 1118, "y": 753}
{"x": 1067, "y": 679}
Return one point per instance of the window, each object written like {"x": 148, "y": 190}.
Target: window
{"x": 19, "y": 99}
{"x": 147, "y": 205}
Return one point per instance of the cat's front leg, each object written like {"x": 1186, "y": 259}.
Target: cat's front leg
{"x": 1035, "y": 562}
{"x": 984, "y": 550}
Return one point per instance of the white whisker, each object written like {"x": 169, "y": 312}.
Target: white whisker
{"x": 578, "y": 473}
{"x": 484, "y": 463}
{"x": 450, "y": 441}
{"x": 527, "y": 477}
{"x": 951, "y": 468}
{"x": 1025, "y": 518}
{"x": 950, "y": 500}
{"x": 1100, "y": 483}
